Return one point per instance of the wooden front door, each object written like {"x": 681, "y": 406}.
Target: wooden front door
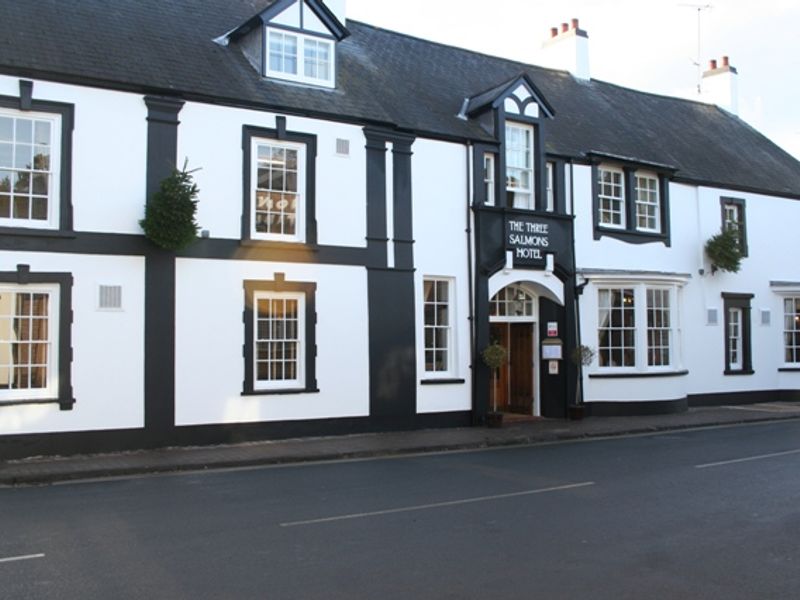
{"x": 520, "y": 357}
{"x": 512, "y": 385}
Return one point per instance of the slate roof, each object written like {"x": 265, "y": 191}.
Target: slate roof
{"x": 384, "y": 77}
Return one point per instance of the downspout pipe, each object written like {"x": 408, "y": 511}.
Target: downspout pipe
{"x": 470, "y": 293}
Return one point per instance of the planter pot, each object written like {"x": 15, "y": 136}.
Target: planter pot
{"x": 575, "y": 412}
{"x": 494, "y": 420}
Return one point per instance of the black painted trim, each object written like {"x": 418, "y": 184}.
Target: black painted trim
{"x": 115, "y": 440}
{"x": 403, "y": 235}
{"x": 442, "y": 381}
{"x": 377, "y": 235}
{"x": 67, "y": 114}
{"x": 789, "y": 370}
{"x": 279, "y": 284}
{"x": 631, "y": 234}
{"x": 637, "y": 408}
{"x": 731, "y": 300}
{"x": 23, "y": 276}
{"x": 638, "y": 375}
{"x": 249, "y": 133}
{"x": 741, "y": 206}
{"x": 744, "y": 397}
{"x": 25, "y": 94}
{"x": 159, "y": 295}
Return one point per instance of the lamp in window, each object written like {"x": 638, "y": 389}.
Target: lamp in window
{"x": 519, "y": 303}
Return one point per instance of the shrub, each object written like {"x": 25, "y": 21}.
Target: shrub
{"x": 169, "y": 217}
{"x": 724, "y": 251}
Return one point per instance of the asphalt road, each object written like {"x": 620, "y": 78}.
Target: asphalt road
{"x": 698, "y": 514}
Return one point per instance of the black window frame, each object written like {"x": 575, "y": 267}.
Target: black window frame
{"x": 630, "y": 233}
{"x": 26, "y": 103}
{"x": 24, "y": 276}
{"x": 279, "y": 284}
{"x": 741, "y": 209}
{"x": 279, "y": 134}
{"x": 741, "y": 301}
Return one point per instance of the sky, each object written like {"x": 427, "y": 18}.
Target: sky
{"x": 649, "y": 45}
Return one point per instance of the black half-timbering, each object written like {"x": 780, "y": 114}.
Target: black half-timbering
{"x": 25, "y": 103}
{"x": 279, "y": 284}
{"x": 23, "y": 276}
{"x": 739, "y": 206}
{"x": 631, "y": 233}
{"x": 279, "y": 134}
{"x": 742, "y": 302}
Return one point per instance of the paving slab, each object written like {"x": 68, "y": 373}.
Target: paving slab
{"x": 48, "y": 470}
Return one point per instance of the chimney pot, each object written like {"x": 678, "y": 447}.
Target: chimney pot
{"x": 553, "y": 31}
{"x": 712, "y": 64}
{"x": 575, "y": 23}
{"x": 564, "y": 27}
{"x": 725, "y": 61}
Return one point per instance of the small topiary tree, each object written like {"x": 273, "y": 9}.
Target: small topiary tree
{"x": 169, "y": 217}
{"x": 724, "y": 251}
{"x": 581, "y": 356}
{"x": 494, "y": 357}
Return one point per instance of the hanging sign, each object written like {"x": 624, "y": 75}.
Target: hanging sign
{"x": 529, "y": 239}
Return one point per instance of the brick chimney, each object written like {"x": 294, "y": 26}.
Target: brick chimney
{"x": 567, "y": 48}
{"x": 720, "y": 86}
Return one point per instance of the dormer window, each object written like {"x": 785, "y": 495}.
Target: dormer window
{"x": 300, "y": 58}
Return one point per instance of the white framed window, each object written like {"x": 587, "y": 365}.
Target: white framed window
{"x": 648, "y": 205}
{"x": 659, "y": 327}
{"x": 735, "y": 322}
{"x": 300, "y": 58}
{"x": 551, "y": 190}
{"x": 616, "y": 327}
{"x": 29, "y": 169}
{"x": 638, "y": 327}
{"x": 29, "y": 332}
{"x": 278, "y": 194}
{"x": 512, "y": 301}
{"x": 279, "y": 334}
{"x": 611, "y": 197}
{"x": 488, "y": 178}
{"x": 438, "y": 326}
{"x": 519, "y": 166}
{"x": 791, "y": 330}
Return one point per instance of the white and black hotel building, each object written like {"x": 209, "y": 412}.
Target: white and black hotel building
{"x": 375, "y": 209}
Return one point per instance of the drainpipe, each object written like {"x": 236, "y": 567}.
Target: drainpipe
{"x": 471, "y": 300}
{"x": 578, "y": 289}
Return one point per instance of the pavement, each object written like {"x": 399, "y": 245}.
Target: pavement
{"x": 49, "y": 470}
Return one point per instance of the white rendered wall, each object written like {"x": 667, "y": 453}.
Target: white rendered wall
{"x": 108, "y": 347}
{"x": 109, "y": 153}
{"x": 209, "y": 368}
{"x": 695, "y": 216}
{"x": 210, "y": 138}
{"x": 440, "y": 250}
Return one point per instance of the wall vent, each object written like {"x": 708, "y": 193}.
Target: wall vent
{"x": 712, "y": 316}
{"x": 110, "y": 297}
{"x": 766, "y": 317}
{"x": 342, "y": 147}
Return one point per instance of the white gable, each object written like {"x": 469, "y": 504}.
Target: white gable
{"x": 289, "y": 17}
{"x": 532, "y": 110}
{"x": 311, "y": 22}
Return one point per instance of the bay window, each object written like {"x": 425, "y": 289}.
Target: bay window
{"x": 637, "y": 327}
{"x": 791, "y": 330}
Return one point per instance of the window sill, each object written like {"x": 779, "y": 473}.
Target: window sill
{"x": 638, "y": 375}
{"x": 33, "y": 232}
{"x": 62, "y": 404}
{"x": 630, "y": 236}
{"x": 789, "y": 370}
{"x": 281, "y": 392}
{"x": 739, "y": 372}
{"x": 279, "y": 245}
{"x": 442, "y": 381}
